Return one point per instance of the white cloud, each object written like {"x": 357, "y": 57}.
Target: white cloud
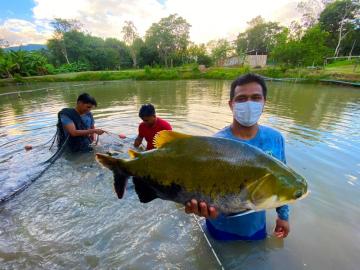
{"x": 210, "y": 19}
{"x": 18, "y": 32}
{"x": 103, "y": 18}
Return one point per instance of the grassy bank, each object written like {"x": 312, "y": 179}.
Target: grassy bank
{"x": 343, "y": 73}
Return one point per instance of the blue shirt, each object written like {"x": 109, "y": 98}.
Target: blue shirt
{"x": 86, "y": 118}
{"x": 251, "y": 226}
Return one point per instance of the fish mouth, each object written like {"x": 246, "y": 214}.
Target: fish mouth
{"x": 300, "y": 198}
{"x": 272, "y": 202}
{"x": 304, "y": 195}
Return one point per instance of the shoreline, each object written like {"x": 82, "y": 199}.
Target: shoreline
{"x": 270, "y": 74}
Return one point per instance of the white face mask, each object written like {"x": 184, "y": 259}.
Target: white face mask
{"x": 247, "y": 113}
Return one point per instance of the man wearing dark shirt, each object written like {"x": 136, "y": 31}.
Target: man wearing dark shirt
{"x": 76, "y": 126}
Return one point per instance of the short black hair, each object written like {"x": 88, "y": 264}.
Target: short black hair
{"x": 245, "y": 79}
{"x": 86, "y": 98}
{"x": 147, "y": 110}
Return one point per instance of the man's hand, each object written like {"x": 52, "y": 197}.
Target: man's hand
{"x": 138, "y": 141}
{"x": 99, "y": 131}
{"x": 201, "y": 209}
{"x": 282, "y": 228}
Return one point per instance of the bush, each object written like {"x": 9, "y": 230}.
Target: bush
{"x": 147, "y": 69}
{"x": 73, "y": 67}
{"x": 273, "y": 73}
{"x": 50, "y": 69}
{"x": 204, "y": 60}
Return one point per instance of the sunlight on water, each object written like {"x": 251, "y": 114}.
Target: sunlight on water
{"x": 70, "y": 218}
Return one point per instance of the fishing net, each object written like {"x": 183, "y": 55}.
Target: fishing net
{"x": 20, "y": 168}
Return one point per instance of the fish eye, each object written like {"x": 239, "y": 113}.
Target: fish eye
{"x": 298, "y": 194}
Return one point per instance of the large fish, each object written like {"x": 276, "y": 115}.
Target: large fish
{"x": 228, "y": 174}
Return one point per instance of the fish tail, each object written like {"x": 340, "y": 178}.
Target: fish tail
{"x": 118, "y": 168}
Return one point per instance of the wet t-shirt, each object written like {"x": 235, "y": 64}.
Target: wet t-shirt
{"x": 251, "y": 226}
{"x": 87, "y": 119}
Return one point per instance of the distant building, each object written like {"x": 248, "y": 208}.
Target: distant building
{"x": 233, "y": 61}
{"x": 258, "y": 60}
{"x": 252, "y": 59}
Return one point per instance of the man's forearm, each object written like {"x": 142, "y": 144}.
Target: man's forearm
{"x": 78, "y": 133}
{"x": 137, "y": 142}
{"x": 283, "y": 212}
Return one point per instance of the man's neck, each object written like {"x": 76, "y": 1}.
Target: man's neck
{"x": 154, "y": 124}
{"x": 77, "y": 110}
{"x": 242, "y": 132}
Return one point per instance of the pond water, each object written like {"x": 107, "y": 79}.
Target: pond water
{"x": 69, "y": 218}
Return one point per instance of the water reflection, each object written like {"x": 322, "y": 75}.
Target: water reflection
{"x": 70, "y": 218}
{"x": 313, "y": 108}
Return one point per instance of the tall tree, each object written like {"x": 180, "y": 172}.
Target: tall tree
{"x": 309, "y": 50}
{"x": 148, "y": 54}
{"x": 170, "y": 36}
{"x": 311, "y": 10}
{"x": 220, "y": 49}
{"x": 339, "y": 19}
{"x": 62, "y": 26}
{"x": 260, "y": 36}
{"x": 198, "y": 54}
{"x": 131, "y": 38}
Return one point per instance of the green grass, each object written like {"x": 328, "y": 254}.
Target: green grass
{"x": 346, "y": 69}
{"x": 336, "y": 72}
{"x": 340, "y": 63}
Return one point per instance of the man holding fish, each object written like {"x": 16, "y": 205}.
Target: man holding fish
{"x": 247, "y": 100}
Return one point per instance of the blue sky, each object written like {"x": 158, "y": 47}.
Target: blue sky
{"x": 20, "y": 9}
{"x": 27, "y": 21}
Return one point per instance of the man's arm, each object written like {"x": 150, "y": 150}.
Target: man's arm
{"x": 138, "y": 141}
{"x": 71, "y": 129}
{"x": 140, "y": 136}
{"x": 92, "y": 136}
{"x": 201, "y": 209}
{"x": 282, "y": 227}
{"x": 92, "y": 126}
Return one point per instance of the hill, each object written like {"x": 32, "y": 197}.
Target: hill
{"x": 28, "y": 47}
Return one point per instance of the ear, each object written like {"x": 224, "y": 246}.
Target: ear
{"x": 231, "y": 105}
{"x": 264, "y": 105}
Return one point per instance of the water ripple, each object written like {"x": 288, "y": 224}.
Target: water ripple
{"x": 70, "y": 217}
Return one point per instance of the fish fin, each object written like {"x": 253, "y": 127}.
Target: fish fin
{"x": 120, "y": 183}
{"x": 263, "y": 185}
{"x": 106, "y": 160}
{"x": 165, "y": 136}
{"x": 133, "y": 153}
{"x": 120, "y": 176}
{"x": 145, "y": 193}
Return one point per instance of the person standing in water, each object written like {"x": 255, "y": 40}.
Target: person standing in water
{"x": 247, "y": 99}
{"x": 78, "y": 125}
{"x": 150, "y": 126}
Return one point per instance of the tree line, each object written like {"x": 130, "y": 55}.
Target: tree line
{"x": 327, "y": 28}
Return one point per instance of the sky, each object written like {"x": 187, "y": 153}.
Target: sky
{"x": 27, "y": 21}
